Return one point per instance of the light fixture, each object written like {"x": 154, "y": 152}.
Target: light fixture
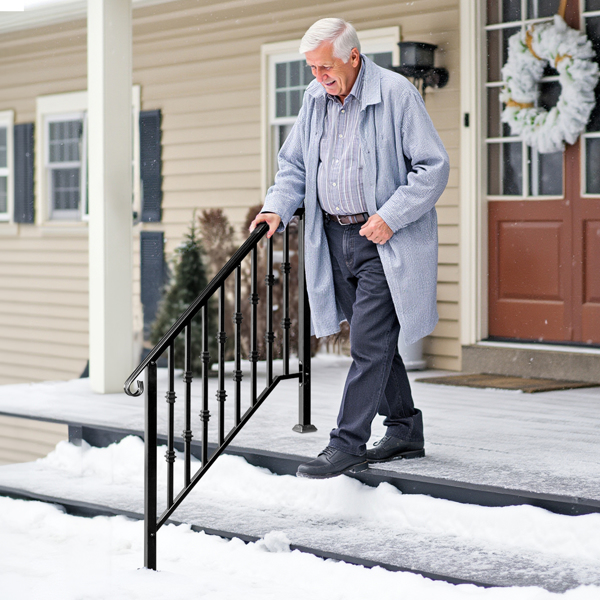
{"x": 416, "y": 63}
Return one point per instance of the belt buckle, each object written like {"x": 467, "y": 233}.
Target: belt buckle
{"x": 340, "y": 221}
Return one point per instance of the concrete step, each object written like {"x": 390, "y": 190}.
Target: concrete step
{"x": 446, "y": 489}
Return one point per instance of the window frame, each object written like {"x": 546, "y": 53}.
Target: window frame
{"x": 488, "y": 141}
{"x": 586, "y": 134}
{"x": 81, "y": 213}
{"x": 59, "y": 107}
{"x": 383, "y": 39}
{"x": 7, "y": 120}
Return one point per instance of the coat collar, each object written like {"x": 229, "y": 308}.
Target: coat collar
{"x": 371, "y": 92}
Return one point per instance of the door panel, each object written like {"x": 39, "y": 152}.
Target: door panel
{"x": 530, "y": 275}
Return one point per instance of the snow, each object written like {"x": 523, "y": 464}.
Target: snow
{"x": 541, "y": 443}
{"x": 341, "y": 498}
{"x": 544, "y": 443}
{"x": 48, "y": 554}
{"x": 498, "y": 545}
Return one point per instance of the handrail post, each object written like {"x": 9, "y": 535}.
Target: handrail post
{"x": 285, "y": 321}
{"x": 150, "y": 480}
{"x": 304, "y": 425}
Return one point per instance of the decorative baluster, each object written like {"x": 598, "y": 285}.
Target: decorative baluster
{"x": 150, "y": 469}
{"x": 286, "y": 322}
{"x": 253, "y": 358}
{"x": 187, "y": 379}
{"x": 170, "y": 396}
{"x": 221, "y": 339}
{"x": 205, "y": 413}
{"x": 151, "y": 523}
{"x": 269, "y": 334}
{"x": 237, "y": 319}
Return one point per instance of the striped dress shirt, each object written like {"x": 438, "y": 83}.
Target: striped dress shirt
{"x": 340, "y": 174}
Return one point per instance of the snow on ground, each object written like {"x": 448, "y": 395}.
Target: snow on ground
{"x": 47, "y": 554}
{"x": 233, "y": 480}
{"x": 545, "y": 443}
{"x": 481, "y": 436}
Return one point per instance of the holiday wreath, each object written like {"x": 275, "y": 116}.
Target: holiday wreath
{"x": 570, "y": 53}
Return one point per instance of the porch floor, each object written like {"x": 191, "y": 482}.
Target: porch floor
{"x": 546, "y": 444}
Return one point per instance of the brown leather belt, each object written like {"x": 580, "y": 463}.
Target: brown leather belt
{"x": 348, "y": 219}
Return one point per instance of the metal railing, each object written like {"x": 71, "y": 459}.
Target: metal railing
{"x": 183, "y": 326}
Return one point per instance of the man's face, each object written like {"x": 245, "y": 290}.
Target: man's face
{"x": 336, "y": 76}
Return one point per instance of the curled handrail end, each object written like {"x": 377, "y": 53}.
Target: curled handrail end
{"x": 138, "y": 392}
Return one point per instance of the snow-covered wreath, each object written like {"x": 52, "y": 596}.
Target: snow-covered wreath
{"x": 570, "y": 53}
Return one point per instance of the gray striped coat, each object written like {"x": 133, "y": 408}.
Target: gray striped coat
{"x": 405, "y": 171}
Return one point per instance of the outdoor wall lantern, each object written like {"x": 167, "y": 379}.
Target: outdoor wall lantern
{"x": 416, "y": 63}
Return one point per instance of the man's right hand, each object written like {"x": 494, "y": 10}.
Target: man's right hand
{"x": 272, "y": 219}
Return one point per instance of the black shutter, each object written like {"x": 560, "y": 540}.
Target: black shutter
{"x": 23, "y": 151}
{"x": 150, "y": 165}
{"x": 152, "y": 274}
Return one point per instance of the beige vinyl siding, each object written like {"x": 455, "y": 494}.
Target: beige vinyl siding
{"x": 23, "y": 440}
{"x": 43, "y": 305}
{"x": 199, "y": 64}
{"x": 44, "y": 290}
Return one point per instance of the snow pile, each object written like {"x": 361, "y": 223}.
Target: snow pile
{"x": 48, "y": 554}
{"x": 232, "y": 481}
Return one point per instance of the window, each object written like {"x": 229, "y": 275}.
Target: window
{"x": 291, "y": 76}
{"x": 61, "y": 181}
{"x": 6, "y": 124}
{"x": 66, "y": 166}
{"x": 515, "y": 169}
{"x": 591, "y": 137}
{"x": 287, "y": 76}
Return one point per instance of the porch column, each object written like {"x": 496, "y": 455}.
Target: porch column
{"x": 110, "y": 189}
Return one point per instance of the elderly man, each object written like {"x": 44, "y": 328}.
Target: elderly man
{"x": 366, "y": 161}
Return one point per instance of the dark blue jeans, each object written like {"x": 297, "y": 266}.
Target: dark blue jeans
{"x": 377, "y": 380}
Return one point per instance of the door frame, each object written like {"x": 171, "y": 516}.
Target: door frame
{"x": 473, "y": 298}
{"x": 473, "y": 200}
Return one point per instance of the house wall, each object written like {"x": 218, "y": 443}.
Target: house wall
{"x": 200, "y": 64}
{"x": 23, "y": 440}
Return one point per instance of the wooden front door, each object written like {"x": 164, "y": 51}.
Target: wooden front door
{"x": 543, "y": 215}
{"x": 544, "y": 265}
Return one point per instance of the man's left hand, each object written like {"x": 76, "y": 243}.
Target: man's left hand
{"x": 376, "y": 230}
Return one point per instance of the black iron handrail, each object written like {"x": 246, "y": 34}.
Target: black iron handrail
{"x": 153, "y": 522}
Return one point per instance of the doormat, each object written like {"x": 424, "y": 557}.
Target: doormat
{"x": 505, "y": 382}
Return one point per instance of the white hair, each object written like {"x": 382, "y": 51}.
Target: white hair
{"x": 340, "y": 32}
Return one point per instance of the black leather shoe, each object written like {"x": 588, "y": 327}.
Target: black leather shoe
{"x": 330, "y": 463}
{"x": 393, "y": 448}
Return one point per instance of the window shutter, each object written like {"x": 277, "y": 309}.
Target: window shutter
{"x": 23, "y": 159}
{"x": 152, "y": 274}
{"x": 150, "y": 165}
